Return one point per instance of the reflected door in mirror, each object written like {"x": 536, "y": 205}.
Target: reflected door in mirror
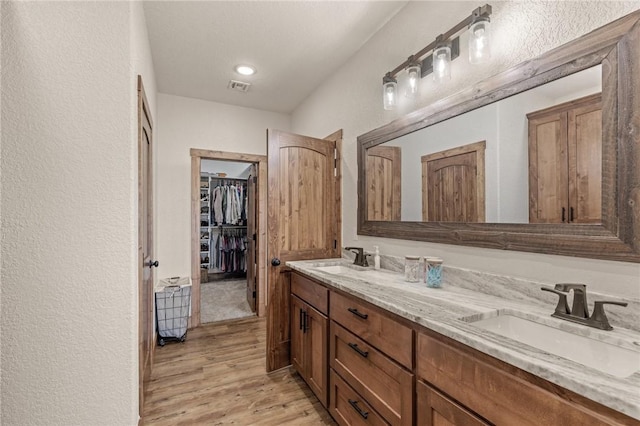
{"x": 383, "y": 183}
{"x": 565, "y": 162}
{"x": 453, "y": 184}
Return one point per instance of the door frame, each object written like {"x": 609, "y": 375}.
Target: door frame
{"x": 197, "y": 155}
{"x": 143, "y": 375}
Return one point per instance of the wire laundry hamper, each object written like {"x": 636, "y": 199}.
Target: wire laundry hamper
{"x": 173, "y": 306}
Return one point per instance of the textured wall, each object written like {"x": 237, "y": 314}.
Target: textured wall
{"x": 69, "y": 188}
{"x": 186, "y": 123}
{"x": 351, "y": 99}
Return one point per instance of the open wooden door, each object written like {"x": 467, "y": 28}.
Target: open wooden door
{"x": 303, "y": 221}
{"x": 252, "y": 217}
{"x": 145, "y": 243}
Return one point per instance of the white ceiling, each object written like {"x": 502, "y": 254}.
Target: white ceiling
{"x": 295, "y": 46}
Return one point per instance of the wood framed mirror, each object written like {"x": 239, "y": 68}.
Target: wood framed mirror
{"x": 610, "y": 230}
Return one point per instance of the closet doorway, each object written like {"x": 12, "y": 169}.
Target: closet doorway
{"x": 228, "y": 235}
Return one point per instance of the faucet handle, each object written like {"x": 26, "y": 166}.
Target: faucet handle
{"x": 562, "y": 307}
{"x": 599, "y": 317}
{"x": 579, "y": 307}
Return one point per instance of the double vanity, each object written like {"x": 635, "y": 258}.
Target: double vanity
{"x": 375, "y": 349}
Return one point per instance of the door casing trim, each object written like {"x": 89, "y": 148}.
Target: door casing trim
{"x": 197, "y": 155}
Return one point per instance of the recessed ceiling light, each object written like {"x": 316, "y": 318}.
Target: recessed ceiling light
{"x": 245, "y": 69}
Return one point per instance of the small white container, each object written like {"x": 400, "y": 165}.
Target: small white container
{"x": 376, "y": 258}
{"x": 412, "y": 269}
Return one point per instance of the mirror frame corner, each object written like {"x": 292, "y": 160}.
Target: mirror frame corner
{"x": 616, "y": 47}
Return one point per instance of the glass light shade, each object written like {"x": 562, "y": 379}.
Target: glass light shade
{"x": 479, "y": 41}
{"x": 390, "y": 94}
{"x": 413, "y": 80}
{"x": 441, "y": 63}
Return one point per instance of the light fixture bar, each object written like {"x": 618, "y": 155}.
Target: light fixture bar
{"x": 483, "y": 11}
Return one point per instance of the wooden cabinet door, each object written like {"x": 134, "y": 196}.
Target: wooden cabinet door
{"x": 297, "y": 335}
{"x": 383, "y": 183}
{"x": 316, "y": 359}
{"x": 565, "y": 162}
{"x": 435, "y": 409}
{"x": 548, "y": 169}
{"x": 585, "y": 164}
{"x": 309, "y": 346}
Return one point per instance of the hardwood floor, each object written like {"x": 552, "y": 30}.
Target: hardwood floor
{"x": 217, "y": 377}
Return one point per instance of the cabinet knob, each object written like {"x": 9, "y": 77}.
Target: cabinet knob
{"x": 275, "y": 262}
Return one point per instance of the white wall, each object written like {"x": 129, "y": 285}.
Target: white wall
{"x": 187, "y": 123}
{"x": 351, "y": 99}
{"x": 231, "y": 168}
{"x": 69, "y": 194}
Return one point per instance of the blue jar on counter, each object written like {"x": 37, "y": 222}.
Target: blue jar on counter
{"x": 433, "y": 275}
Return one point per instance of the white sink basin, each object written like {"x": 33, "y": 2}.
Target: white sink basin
{"x": 602, "y": 356}
{"x": 339, "y": 269}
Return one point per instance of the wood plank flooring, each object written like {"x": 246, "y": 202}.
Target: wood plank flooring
{"x": 217, "y": 377}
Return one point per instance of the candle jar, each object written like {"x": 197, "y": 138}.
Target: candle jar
{"x": 433, "y": 273}
{"x": 412, "y": 269}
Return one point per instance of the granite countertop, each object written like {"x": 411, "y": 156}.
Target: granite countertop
{"x": 448, "y": 311}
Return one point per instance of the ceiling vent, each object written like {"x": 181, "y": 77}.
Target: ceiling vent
{"x": 240, "y": 86}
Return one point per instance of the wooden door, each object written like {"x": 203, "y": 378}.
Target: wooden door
{"x": 435, "y": 409}
{"x": 453, "y": 184}
{"x": 303, "y": 221}
{"x": 585, "y": 163}
{"x": 252, "y": 238}
{"x": 384, "y": 191}
{"x": 548, "y": 166}
{"x": 145, "y": 242}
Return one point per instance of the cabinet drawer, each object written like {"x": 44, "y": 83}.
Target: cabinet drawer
{"x": 377, "y": 329}
{"x": 348, "y": 408}
{"x": 311, "y": 292}
{"x": 436, "y": 409}
{"x": 385, "y": 385}
{"x": 494, "y": 393}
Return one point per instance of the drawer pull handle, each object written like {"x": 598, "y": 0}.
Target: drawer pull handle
{"x": 301, "y": 318}
{"x": 354, "y": 311}
{"x": 357, "y": 349}
{"x": 354, "y": 404}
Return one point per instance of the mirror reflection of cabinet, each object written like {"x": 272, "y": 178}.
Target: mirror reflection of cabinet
{"x": 453, "y": 184}
{"x": 565, "y": 162}
{"x": 383, "y": 183}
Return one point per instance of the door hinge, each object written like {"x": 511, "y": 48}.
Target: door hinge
{"x": 335, "y": 244}
{"x": 335, "y": 162}
{"x": 253, "y": 237}
{"x": 254, "y": 294}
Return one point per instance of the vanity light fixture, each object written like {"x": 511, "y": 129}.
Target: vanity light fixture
{"x": 414, "y": 74}
{"x": 436, "y": 57}
{"x": 479, "y": 37}
{"x": 442, "y": 62}
{"x": 390, "y": 92}
{"x": 245, "y": 69}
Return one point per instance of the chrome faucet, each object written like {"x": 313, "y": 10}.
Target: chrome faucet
{"x": 361, "y": 256}
{"x": 579, "y": 311}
